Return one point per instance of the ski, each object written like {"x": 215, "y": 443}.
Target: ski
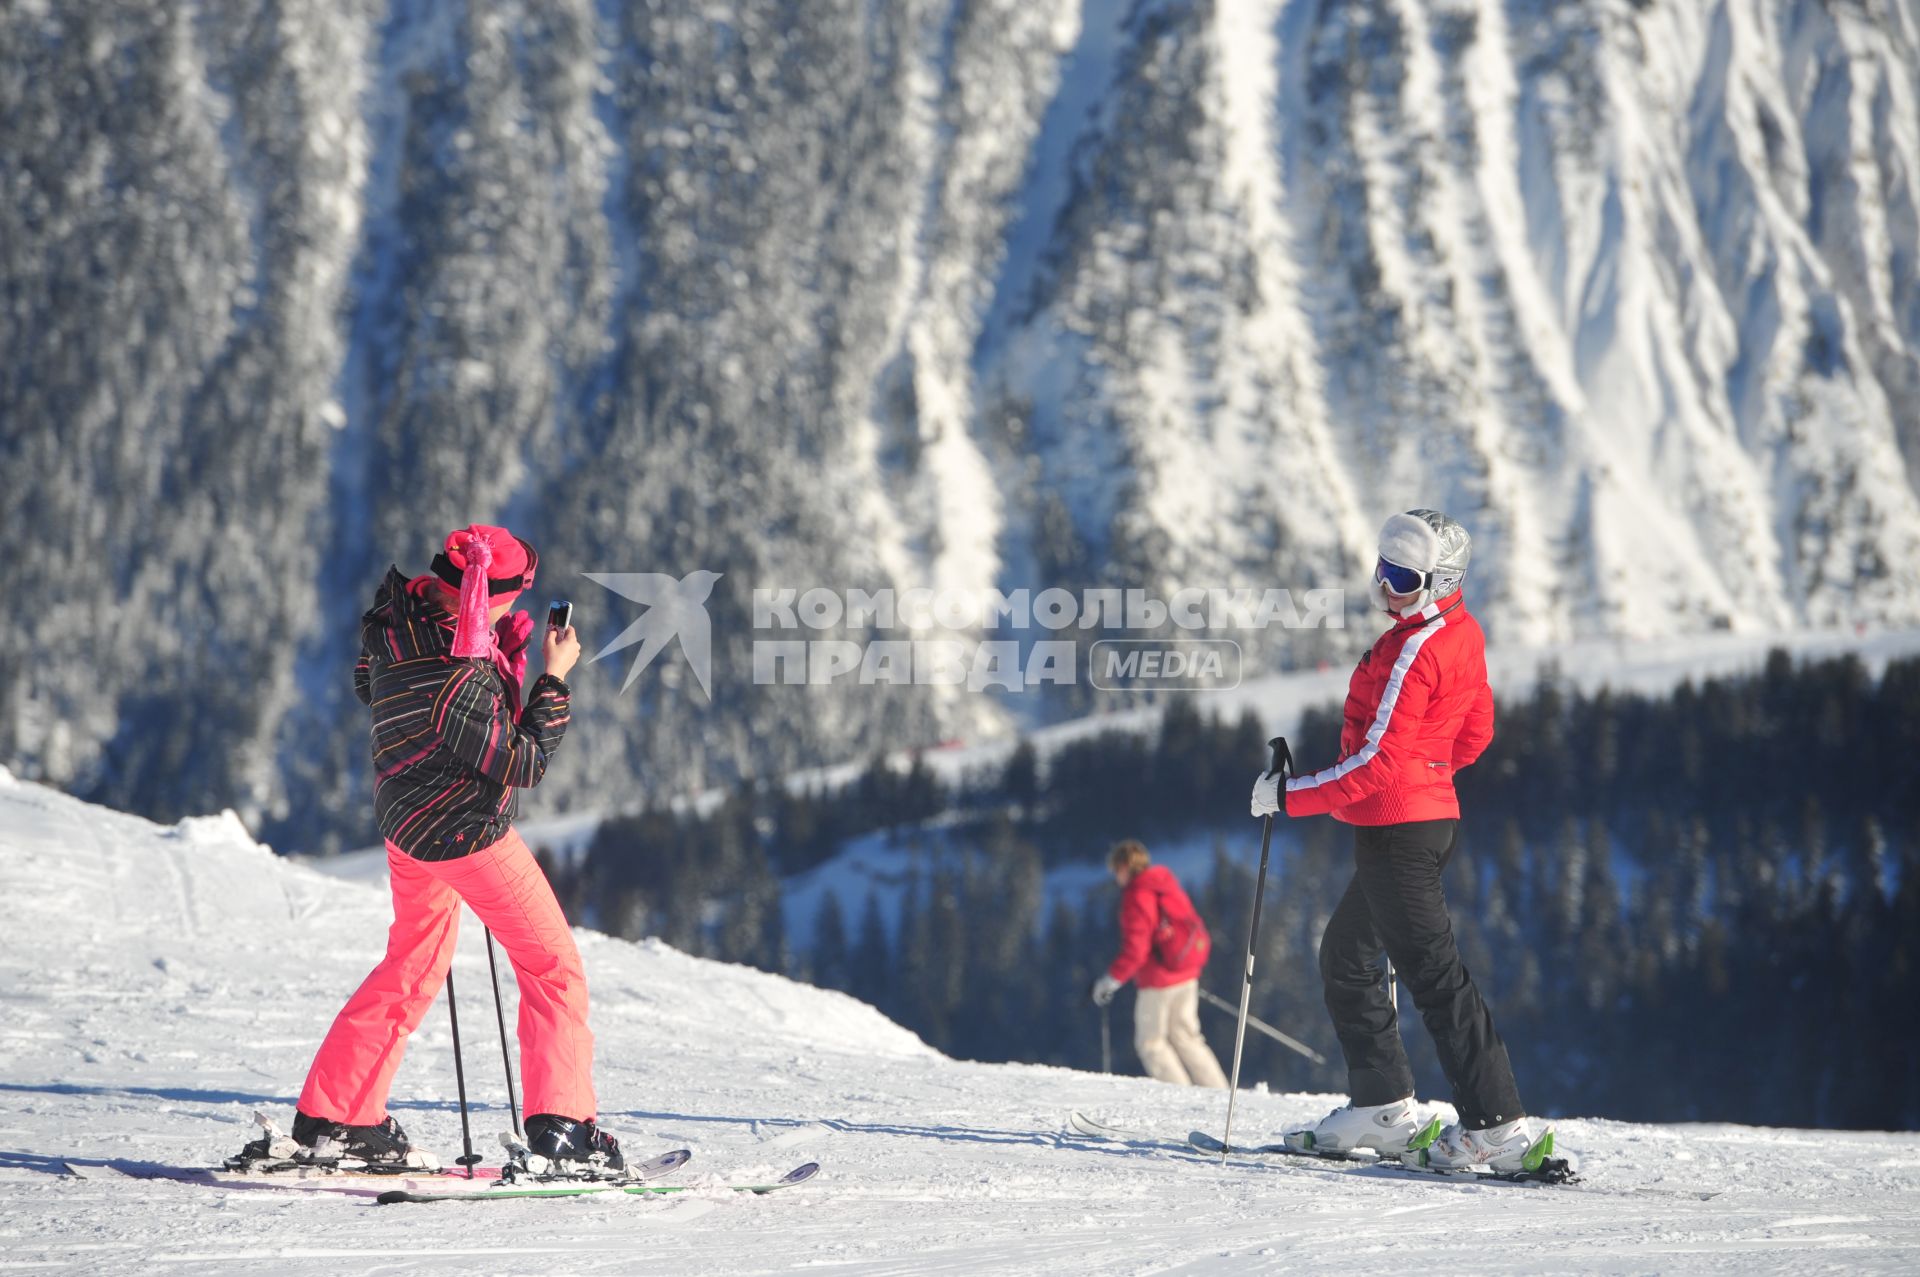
{"x": 311, "y": 1179}
{"x": 1210, "y": 1144}
{"x": 1373, "y": 1166}
{"x": 290, "y": 1169}
{"x": 517, "y": 1175}
{"x": 1394, "y": 1168}
{"x": 358, "y": 1182}
{"x": 1549, "y": 1170}
{"x": 1081, "y": 1124}
{"x": 798, "y": 1175}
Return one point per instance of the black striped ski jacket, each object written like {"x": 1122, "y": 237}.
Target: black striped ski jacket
{"x": 451, "y": 746}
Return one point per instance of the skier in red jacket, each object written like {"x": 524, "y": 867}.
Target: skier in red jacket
{"x": 1163, "y": 946}
{"x": 1418, "y": 710}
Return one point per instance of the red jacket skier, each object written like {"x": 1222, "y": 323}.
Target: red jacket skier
{"x": 1162, "y": 940}
{"x": 1418, "y": 710}
{"x": 442, "y": 660}
{"x": 1163, "y": 946}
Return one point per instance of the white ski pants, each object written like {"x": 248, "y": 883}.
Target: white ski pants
{"x": 1166, "y": 1033}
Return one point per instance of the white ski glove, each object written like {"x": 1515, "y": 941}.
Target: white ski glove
{"x": 1103, "y": 990}
{"x": 1268, "y": 798}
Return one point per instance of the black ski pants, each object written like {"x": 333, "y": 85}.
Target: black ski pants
{"x": 1395, "y": 902}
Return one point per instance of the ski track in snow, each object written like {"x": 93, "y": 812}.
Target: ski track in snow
{"x": 157, "y": 985}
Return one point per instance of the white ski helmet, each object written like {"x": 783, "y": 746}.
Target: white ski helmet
{"x": 1429, "y": 543}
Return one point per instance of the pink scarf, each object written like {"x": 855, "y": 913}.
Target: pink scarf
{"x": 504, "y": 644}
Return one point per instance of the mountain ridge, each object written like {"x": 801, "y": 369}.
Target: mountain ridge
{"x": 971, "y": 294}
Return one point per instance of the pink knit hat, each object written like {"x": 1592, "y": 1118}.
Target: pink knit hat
{"x": 486, "y": 565}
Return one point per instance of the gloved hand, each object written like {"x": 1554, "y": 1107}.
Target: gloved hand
{"x": 510, "y": 635}
{"x": 1103, "y": 990}
{"x": 1268, "y": 797}
{"x": 512, "y": 631}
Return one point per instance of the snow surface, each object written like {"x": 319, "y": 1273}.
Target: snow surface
{"x": 160, "y": 983}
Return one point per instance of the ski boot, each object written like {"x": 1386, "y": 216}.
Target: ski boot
{"x": 1384, "y": 1129}
{"x": 378, "y": 1147}
{"x": 1510, "y": 1148}
{"x": 563, "y": 1148}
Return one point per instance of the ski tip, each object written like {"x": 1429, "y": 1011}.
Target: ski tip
{"x": 393, "y": 1196}
{"x": 1079, "y": 1123}
{"x": 654, "y": 1167}
{"x": 799, "y": 1174}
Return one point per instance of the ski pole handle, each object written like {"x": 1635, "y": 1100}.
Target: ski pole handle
{"x": 1282, "y": 757}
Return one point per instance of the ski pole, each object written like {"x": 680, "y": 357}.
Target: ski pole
{"x": 1255, "y": 1022}
{"x": 460, "y": 1081}
{"x": 500, "y": 1017}
{"x": 1393, "y": 989}
{"x": 1106, "y": 1041}
{"x": 1282, "y": 763}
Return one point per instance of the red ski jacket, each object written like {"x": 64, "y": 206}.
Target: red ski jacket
{"x": 1418, "y": 710}
{"x": 1162, "y": 940}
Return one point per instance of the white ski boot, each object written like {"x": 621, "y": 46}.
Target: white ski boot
{"x": 1508, "y": 1148}
{"x": 1383, "y": 1128}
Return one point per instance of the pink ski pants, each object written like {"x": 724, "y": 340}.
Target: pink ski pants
{"x": 505, "y": 888}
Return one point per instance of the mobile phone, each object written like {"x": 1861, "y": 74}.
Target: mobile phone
{"x": 559, "y": 614}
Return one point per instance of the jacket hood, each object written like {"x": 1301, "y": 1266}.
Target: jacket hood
{"x": 1154, "y": 878}
{"x": 403, "y": 620}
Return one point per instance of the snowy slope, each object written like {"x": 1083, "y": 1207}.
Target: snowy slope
{"x": 159, "y": 983}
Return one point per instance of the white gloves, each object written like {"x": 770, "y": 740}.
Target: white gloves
{"x": 1268, "y": 798}
{"x": 1103, "y": 990}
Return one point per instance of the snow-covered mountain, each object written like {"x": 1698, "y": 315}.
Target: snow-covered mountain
{"x": 161, "y": 983}
{"x": 962, "y": 293}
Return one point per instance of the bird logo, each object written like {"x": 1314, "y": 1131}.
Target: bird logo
{"x": 675, "y": 608}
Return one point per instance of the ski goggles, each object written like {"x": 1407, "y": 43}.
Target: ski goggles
{"x": 1400, "y": 580}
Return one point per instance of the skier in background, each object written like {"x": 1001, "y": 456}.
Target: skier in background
{"x": 1418, "y": 710}
{"x": 442, "y": 660}
{"x": 1163, "y": 946}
